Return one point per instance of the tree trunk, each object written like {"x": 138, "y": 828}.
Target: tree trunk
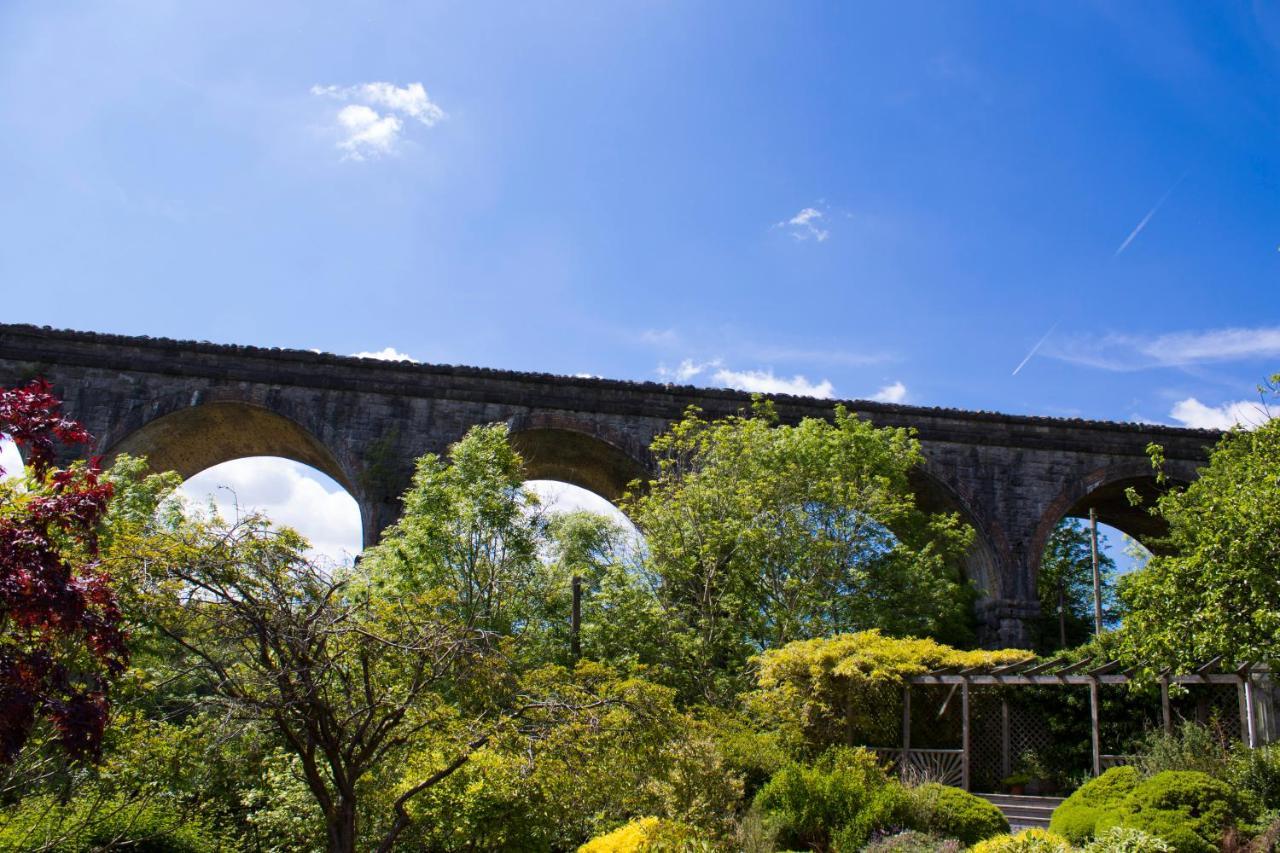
{"x": 1062, "y": 616}
{"x": 341, "y": 826}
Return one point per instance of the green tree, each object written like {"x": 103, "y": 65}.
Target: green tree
{"x": 1066, "y": 587}
{"x": 470, "y": 530}
{"x": 1214, "y": 589}
{"x": 759, "y": 534}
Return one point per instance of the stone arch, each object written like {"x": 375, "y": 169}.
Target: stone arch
{"x": 1105, "y": 490}
{"x": 190, "y": 439}
{"x": 564, "y": 448}
{"x": 985, "y": 562}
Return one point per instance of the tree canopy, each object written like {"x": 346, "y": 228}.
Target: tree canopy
{"x": 1214, "y": 589}
{"x": 760, "y": 533}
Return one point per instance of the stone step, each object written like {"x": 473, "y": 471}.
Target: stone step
{"x": 1024, "y": 812}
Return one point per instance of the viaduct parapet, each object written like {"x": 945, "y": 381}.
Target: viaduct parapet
{"x": 188, "y": 406}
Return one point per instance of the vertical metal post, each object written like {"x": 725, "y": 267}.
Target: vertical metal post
{"x": 1252, "y": 728}
{"x": 575, "y": 620}
{"x": 1095, "y": 727}
{"x": 1006, "y": 759}
{"x": 964, "y": 716}
{"x": 1242, "y": 697}
{"x": 1166, "y": 713}
{"x": 1097, "y": 580}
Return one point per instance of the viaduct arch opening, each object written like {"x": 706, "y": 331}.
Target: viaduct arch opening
{"x": 244, "y": 457}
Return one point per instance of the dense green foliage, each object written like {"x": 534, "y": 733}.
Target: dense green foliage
{"x": 844, "y": 794}
{"x": 828, "y": 691}
{"x": 760, "y": 534}
{"x": 429, "y": 697}
{"x": 1119, "y": 839}
{"x": 953, "y": 813}
{"x": 1188, "y": 809}
{"x": 1078, "y": 816}
{"x": 1215, "y": 591}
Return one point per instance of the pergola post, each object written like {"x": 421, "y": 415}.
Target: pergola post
{"x": 1006, "y": 759}
{"x": 906, "y": 726}
{"x": 1094, "y": 726}
{"x": 1166, "y": 714}
{"x": 964, "y": 728}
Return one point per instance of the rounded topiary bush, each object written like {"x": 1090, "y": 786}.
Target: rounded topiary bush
{"x": 1189, "y": 809}
{"x": 1119, "y": 839}
{"x": 953, "y": 813}
{"x": 1077, "y": 818}
{"x": 1027, "y": 841}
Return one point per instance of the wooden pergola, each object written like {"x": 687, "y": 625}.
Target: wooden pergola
{"x": 1059, "y": 672}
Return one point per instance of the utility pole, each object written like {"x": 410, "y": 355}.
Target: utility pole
{"x": 575, "y": 620}
{"x": 1097, "y": 580}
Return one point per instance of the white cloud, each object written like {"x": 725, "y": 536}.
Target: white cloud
{"x": 290, "y": 494}
{"x": 895, "y": 393}
{"x": 10, "y": 459}
{"x": 1176, "y": 349}
{"x": 806, "y": 225}
{"x": 1246, "y": 413}
{"x": 366, "y": 132}
{"x": 372, "y": 123}
{"x": 386, "y": 354}
{"x": 687, "y": 369}
{"x": 764, "y": 382}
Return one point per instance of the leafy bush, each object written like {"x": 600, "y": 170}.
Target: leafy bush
{"x": 92, "y": 822}
{"x": 1189, "y": 747}
{"x": 1077, "y": 818}
{"x": 1257, "y": 773}
{"x": 1189, "y": 809}
{"x": 845, "y": 792}
{"x": 911, "y": 841}
{"x": 953, "y": 813}
{"x": 1119, "y": 839}
{"x": 648, "y": 834}
{"x": 1027, "y": 841}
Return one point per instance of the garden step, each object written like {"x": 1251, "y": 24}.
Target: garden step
{"x": 1024, "y": 812}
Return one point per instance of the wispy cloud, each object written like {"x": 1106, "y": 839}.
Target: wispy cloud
{"x": 659, "y": 337}
{"x": 895, "y": 393}
{"x": 1150, "y": 213}
{"x": 806, "y": 225}
{"x": 371, "y": 124}
{"x": 386, "y": 354}
{"x": 1176, "y": 349}
{"x": 1246, "y": 413}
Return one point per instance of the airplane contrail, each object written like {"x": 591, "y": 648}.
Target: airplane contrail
{"x": 1034, "y": 349}
{"x": 1150, "y": 213}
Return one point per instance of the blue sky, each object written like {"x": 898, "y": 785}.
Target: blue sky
{"x": 852, "y": 200}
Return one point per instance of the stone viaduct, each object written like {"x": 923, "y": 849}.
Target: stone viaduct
{"x": 188, "y": 406}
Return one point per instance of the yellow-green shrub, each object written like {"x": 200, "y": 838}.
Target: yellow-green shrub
{"x": 830, "y": 691}
{"x": 648, "y": 834}
{"x": 1027, "y": 841}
